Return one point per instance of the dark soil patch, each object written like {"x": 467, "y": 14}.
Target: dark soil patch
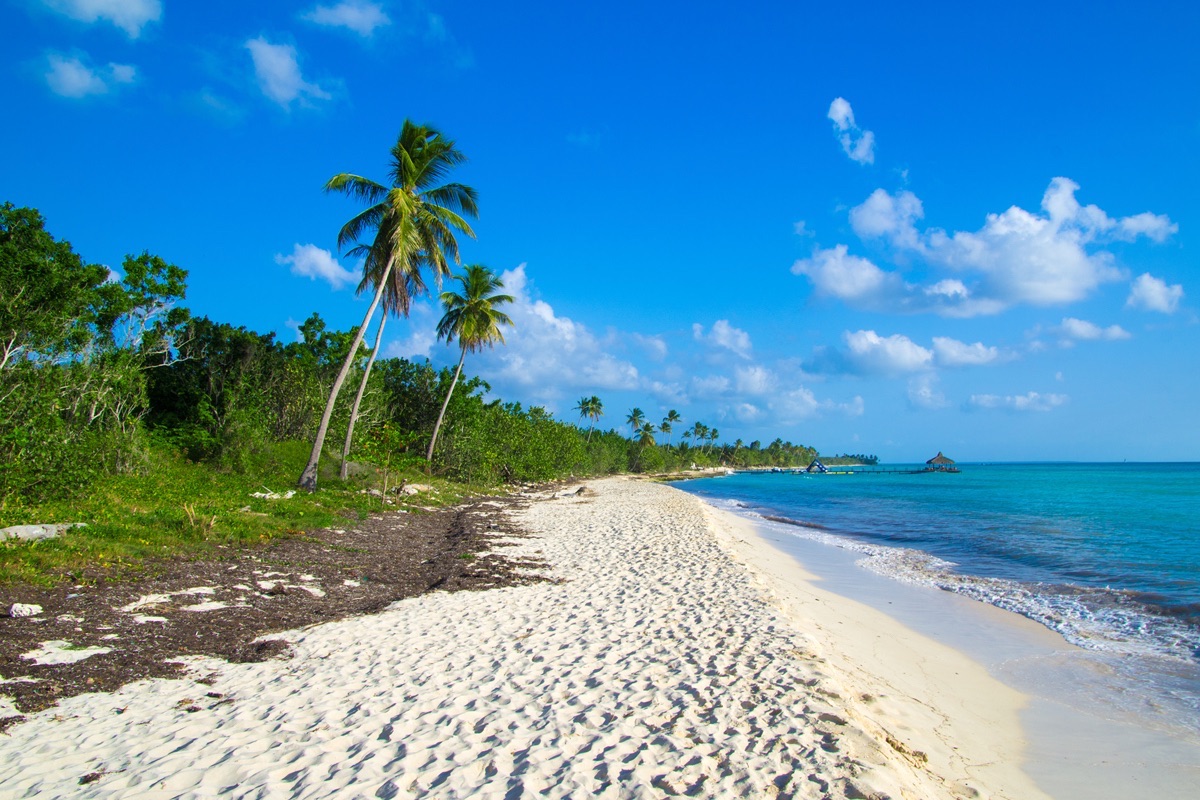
{"x": 311, "y": 578}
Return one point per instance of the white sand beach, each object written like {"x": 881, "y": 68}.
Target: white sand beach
{"x": 677, "y": 655}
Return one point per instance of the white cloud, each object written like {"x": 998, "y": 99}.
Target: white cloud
{"x": 890, "y": 217}
{"x": 312, "y": 262}
{"x": 358, "y": 16}
{"x": 548, "y": 355}
{"x": 71, "y": 77}
{"x": 923, "y": 392}
{"x": 953, "y": 353}
{"x": 1053, "y": 257}
{"x": 1043, "y": 259}
{"x": 1153, "y": 294}
{"x": 128, "y": 15}
{"x": 1083, "y": 330}
{"x": 278, "y": 73}
{"x": 856, "y": 142}
{"x": 724, "y": 335}
{"x": 871, "y": 353}
{"x": 801, "y": 229}
{"x": 755, "y": 380}
{"x": 836, "y": 273}
{"x": 1033, "y": 401}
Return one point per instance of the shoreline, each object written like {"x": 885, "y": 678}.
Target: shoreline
{"x": 660, "y": 658}
{"x": 1080, "y": 744}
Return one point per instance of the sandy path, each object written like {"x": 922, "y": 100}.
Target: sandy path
{"x": 656, "y": 668}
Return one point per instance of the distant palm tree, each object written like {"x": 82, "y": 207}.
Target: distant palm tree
{"x": 699, "y": 433}
{"x": 712, "y": 438}
{"x": 474, "y": 319}
{"x": 636, "y": 419}
{"x": 671, "y": 418}
{"x": 413, "y": 223}
{"x": 646, "y": 434}
{"x": 593, "y": 409}
{"x": 665, "y": 427}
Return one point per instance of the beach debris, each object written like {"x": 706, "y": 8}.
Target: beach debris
{"x": 578, "y": 490}
{"x": 270, "y": 495}
{"x": 33, "y": 533}
{"x": 146, "y": 600}
{"x": 211, "y": 605}
{"x": 142, "y": 619}
{"x": 351, "y": 583}
{"x": 415, "y": 488}
{"x": 24, "y": 610}
{"x": 60, "y": 651}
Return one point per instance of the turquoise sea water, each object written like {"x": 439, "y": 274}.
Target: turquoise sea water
{"x": 1108, "y": 555}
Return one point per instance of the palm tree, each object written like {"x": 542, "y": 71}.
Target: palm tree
{"x": 414, "y": 223}
{"x": 645, "y": 434}
{"x": 636, "y": 419}
{"x": 712, "y": 438}
{"x": 590, "y": 407}
{"x": 474, "y": 319}
{"x": 396, "y": 301}
{"x": 699, "y": 433}
{"x": 665, "y": 427}
{"x": 671, "y": 418}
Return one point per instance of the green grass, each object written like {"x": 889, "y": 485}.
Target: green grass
{"x": 179, "y": 508}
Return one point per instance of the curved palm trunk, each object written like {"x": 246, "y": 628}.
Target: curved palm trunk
{"x": 308, "y": 478}
{"x": 437, "y": 425}
{"x": 362, "y": 387}
{"x": 590, "y": 431}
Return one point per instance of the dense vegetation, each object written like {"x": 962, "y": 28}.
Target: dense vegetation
{"x": 119, "y": 408}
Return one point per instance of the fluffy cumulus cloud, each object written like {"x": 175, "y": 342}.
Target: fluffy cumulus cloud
{"x": 755, "y": 380}
{"x": 1074, "y": 329}
{"x": 858, "y": 144}
{"x": 891, "y": 217}
{"x": 1053, "y": 257}
{"x": 725, "y": 336}
{"x": 312, "y": 262}
{"x": 953, "y": 353}
{"x": 1033, "y": 401}
{"x": 277, "y": 69}
{"x": 1153, "y": 294}
{"x": 359, "y": 16}
{"x": 836, "y": 273}
{"x": 128, "y": 15}
{"x": 871, "y": 353}
{"x": 548, "y": 356}
{"x": 72, "y": 77}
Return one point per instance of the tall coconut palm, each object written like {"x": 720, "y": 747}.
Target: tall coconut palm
{"x": 669, "y": 420}
{"x": 665, "y": 427}
{"x": 411, "y": 224}
{"x": 593, "y": 409}
{"x": 397, "y": 300}
{"x": 712, "y": 438}
{"x": 473, "y": 318}
{"x": 645, "y": 434}
{"x": 636, "y": 419}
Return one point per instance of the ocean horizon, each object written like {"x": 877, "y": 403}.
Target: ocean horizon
{"x": 1107, "y": 554}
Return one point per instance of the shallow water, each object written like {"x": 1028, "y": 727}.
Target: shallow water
{"x": 1108, "y": 555}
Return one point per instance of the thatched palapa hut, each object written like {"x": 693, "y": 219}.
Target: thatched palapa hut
{"x": 940, "y": 463}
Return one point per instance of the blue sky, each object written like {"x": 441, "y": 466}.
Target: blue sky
{"x": 855, "y": 226}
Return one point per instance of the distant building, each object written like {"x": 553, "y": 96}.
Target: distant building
{"x": 940, "y": 463}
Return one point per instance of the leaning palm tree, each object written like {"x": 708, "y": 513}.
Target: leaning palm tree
{"x": 592, "y": 408}
{"x": 413, "y": 223}
{"x": 397, "y": 300}
{"x": 636, "y": 419}
{"x": 474, "y": 319}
